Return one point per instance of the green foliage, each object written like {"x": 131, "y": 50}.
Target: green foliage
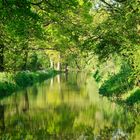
{"x": 97, "y": 76}
{"x": 33, "y": 64}
{"x": 6, "y": 88}
{"x": 22, "y": 80}
{"x": 118, "y": 32}
{"x": 74, "y": 31}
{"x": 118, "y": 84}
{"x": 133, "y": 98}
{"x": 45, "y": 24}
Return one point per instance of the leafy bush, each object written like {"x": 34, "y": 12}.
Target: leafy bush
{"x": 118, "y": 84}
{"x": 23, "y": 79}
{"x": 6, "y": 88}
{"x": 134, "y": 98}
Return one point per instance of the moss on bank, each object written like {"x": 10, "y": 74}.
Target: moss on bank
{"x": 20, "y": 80}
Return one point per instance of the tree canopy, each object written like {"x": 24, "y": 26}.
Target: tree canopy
{"x": 74, "y": 31}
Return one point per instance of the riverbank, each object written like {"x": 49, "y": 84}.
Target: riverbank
{"x": 119, "y": 87}
{"x": 11, "y": 82}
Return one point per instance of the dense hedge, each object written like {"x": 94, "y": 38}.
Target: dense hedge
{"x": 23, "y": 79}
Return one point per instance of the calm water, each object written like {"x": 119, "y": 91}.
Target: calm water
{"x": 66, "y": 107}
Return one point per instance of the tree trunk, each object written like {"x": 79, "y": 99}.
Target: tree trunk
{"x": 58, "y": 63}
{"x": 58, "y": 66}
{"x": 66, "y": 67}
{"x": 25, "y": 59}
{"x": 26, "y": 102}
{"x": 51, "y": 64}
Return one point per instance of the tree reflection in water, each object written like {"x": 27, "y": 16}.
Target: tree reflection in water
{"x": 68, "y": 108}
{"x": 2, "y": 123}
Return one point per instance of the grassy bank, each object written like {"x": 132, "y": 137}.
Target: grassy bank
{"x": 10, "y": 82}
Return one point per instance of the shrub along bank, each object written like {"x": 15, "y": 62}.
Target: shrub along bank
{"x": 120, "y": 87}
{"x": 13, "y": 82}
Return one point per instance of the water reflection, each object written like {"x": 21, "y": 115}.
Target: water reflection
{"x": 2, "y": 122}
{"x": 66, "y": 107}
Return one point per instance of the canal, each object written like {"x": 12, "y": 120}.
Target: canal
{"x": 66, "y": 107}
